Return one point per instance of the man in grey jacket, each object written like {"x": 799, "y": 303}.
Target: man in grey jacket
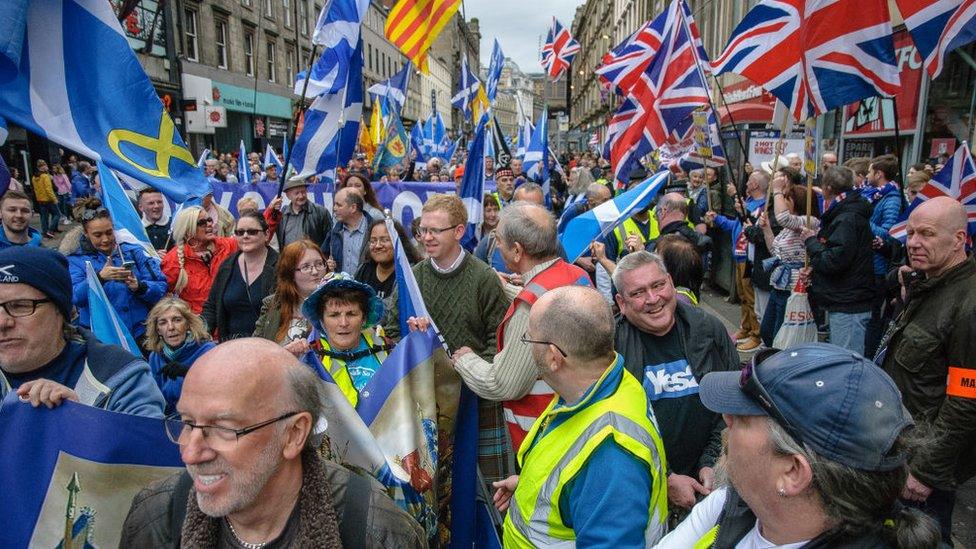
{"x": 254, "y": 477}
{"x": 300, "y": 219}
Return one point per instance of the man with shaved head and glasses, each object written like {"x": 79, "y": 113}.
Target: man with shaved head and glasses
{"x": 254, "y": 478}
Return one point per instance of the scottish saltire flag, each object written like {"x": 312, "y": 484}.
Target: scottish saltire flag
{"x": 243, "y": 166}
{"x": 75, "y": 468}
{"x": 271, "y": 159}
{"x": 337, "y": 31}
{"x": 410, "y": 303}
{"x": 434, "y": 134}
{"x": 815, "y": 55}
{"x": 331, "y": 127}
{"x": 536, "y": 161}
{"x": 957, "y": 180}
{"x": 468, "y": 88}
{"x": 525, "y": 131}
{"x": 451, "y": 149}
{"x": 105, "y": 323}
{"x": 598, "y": 222}
{"x": 61, "y": 65}
{"x": 394, "y": 148}
{"x": 473, "y": 185}
{"x": 558, "y": 51}
{"x": 126, "y": 221}
{"x": 938, "y": 27}
{"x": 203, "y": 158}
{"x": 395, "y": 88}
{"x": 417, "y": 142}
{"x": 494, "y": 71}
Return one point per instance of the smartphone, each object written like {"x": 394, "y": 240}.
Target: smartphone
{"x": 128, "y": 265}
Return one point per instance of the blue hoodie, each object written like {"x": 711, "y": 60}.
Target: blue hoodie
{"x": 34, "y": 242}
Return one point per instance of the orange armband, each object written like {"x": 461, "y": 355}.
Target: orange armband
{"x": 961, "y": 382}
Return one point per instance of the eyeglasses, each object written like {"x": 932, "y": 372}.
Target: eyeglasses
{"x": 88, "y": 215}
{"x": 385, "y": 241}
{"x": 249, "y": 232}
{"x": 751, "y": 386}
{"x": 18, "y": 308}
{"x": 525, "y": 339}
{"x": 430, "y": 230}
{"x": 204, "y": 221}
{"x": 218, "y": 438}
{"x": 310, "y": 268}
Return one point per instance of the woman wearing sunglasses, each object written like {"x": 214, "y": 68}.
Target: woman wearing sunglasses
{"x": 242, "y": 282}
{"x": 191, "y": 265}
{"x": 131, "y": 278}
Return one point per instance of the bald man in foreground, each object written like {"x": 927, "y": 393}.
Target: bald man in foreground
{"x": 930, "y": 352}
{"x": 254, "y": 477}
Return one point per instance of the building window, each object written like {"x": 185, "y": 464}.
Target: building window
{"x": 190, "y": 24}
{"x": 290, "y": 64}
{"x": 303, "y": 17}
{"x": 246, "y": 3}
{"x": 369, "y": 56}
{"x": 221, "y": 40}
{"x": 249, "y": 52}
{"x": 286, "y": 9}
{"x": 269, "y": 9}
{"x": 272, "y": 61}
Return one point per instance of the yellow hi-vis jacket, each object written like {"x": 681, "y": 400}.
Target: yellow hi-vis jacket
{"x": 337, "y": 368}
{"x": 551, "y": 462}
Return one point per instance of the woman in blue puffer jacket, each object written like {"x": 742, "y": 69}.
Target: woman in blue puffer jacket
{"x": 131, "y": 278}
{"x": 176, "y": 338}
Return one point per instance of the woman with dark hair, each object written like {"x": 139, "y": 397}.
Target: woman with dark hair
{"x": 786, "y": 248}
{"x": 360, "y": 181}
{"x": 301, "y": 267}
{"x": 377, "y": 270}
{"x": 242, "y": 282}
{"x": 131, "y": 278}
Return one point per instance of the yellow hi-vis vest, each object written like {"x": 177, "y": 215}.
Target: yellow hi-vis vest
{"x": 337, "y": 368}
{"x": 630, "y": 227}
{"x": 534, "y": 519}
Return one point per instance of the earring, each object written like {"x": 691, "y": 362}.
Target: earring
{"x": 782, "y": 493}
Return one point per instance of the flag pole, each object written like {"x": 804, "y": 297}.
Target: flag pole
{"x": 301, "y": 111}
{"x": 780, "y": 144}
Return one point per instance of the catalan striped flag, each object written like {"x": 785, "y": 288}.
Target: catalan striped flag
{"x": 413, "y": 25}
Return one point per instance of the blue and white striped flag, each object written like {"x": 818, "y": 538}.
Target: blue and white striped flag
{"x": 68, "y": 73}
{"x": 536, "y": 162}
{"x": 337, "y": 31}
{"x": 125, "y": 219}
{"x": 395, "y": 88}
{"x": 243, "y": 166}
{"x": 494, "y": 72}
{"x": 105, "y": 322}
{"x": 473, "y": 184}
{"x": 598, "y": 222}
{"x": 203, "y": 158}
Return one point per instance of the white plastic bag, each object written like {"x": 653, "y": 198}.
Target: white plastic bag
{"x": 799, "y": 325}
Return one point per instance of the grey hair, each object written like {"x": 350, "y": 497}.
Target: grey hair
{"x": 518, "y": 223}
{"x": 634, "y": 261}
{"x": 697, "y": 171}
{"x": 596, "y": 190}
{"x": 764, "y": 179}
{"x": 838, "y": 179}
{"x": 582, "y": 326}
{"x": 307, "y": 395}
{"x": 856, "y": 500}
{"x": 673, "y": 204}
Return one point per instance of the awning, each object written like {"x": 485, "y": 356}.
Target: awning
{"x": 745, "y": 112}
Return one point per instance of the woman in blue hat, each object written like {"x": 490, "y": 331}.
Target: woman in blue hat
{"x": 350, "y": 343}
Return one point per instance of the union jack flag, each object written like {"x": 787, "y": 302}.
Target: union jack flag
{"x": 815, "y": 55}
{"x": 558, "y": 51}
{"x": 938, "y": 27}
{"x": 957, "y": 180}
{"x": 664, "y": 94}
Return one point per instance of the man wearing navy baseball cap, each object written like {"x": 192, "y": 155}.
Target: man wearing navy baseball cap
{"x": 45, "y": 360}
{"x": 817, "y": 449}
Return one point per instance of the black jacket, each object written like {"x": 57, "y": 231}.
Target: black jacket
{"x": 702, "y": 242}
{"x": 842, "y": 257}
{"x": 754, "y": 268}
{"x": 159, "y": 236}
{"x": 213, "y": 314}
{"x": 333, "y": 243}
{"x": 692, "y": 435}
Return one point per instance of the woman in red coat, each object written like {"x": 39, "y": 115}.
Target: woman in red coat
{"x": 191, "y": 265}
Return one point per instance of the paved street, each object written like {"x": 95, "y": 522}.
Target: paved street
{"x": 964, "y": 517}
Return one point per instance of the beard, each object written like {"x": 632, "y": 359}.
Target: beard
{"x": 244, "y": 486}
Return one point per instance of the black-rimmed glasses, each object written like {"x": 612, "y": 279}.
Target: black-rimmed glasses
{"x": 525, "y": 339}
{"x": 750, "y": 385}
{"x": 430, "y": 230}
{"x": 217, "y": 437}
{"x": 19, "y": 308}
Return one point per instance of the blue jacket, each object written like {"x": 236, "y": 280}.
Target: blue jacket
{"x": 81, "y": 186}
{"x": 34, "y": 242}
{"x": 132, "y": 307}
{"x": 104, "y": 376}
{"x": 186, "y": 356}
{"x": 887, "y": 210}
{"x": 734, "y": 226}
{"x": 332, "y": 245}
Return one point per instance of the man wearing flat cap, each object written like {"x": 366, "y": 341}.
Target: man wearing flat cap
{"x": 45, "y": 359}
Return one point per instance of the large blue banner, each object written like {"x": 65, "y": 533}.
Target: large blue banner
{"x": 75, "y": 468}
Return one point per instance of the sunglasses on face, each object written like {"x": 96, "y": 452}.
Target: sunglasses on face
{"x": 750, "y": 385}
{"x": 204, "y": 222}
{"x": 249, "y": 232}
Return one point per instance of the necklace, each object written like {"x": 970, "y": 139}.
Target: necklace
{"x": 242, "y": 542}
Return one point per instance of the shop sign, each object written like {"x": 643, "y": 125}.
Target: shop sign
{"x": 943, "y": 146}
{"x": 216, "y": 117}
{"x": 277, "y": 127}
{"x": 762, "y": 147}
{"x": 876, "y": 115}
{"x": 858, "y": 147}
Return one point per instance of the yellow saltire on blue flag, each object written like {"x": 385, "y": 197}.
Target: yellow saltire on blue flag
{"x": 67, "y": 73}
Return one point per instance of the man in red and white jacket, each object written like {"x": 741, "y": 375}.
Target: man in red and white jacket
{"x": 526, "y": 238}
